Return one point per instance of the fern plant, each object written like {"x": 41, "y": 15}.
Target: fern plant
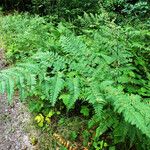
{"x": 96, "y": 68}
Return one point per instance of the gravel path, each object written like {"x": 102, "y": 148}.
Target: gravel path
{"x": 15, "y": 123}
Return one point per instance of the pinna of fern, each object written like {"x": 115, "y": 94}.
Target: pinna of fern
{"x": 17, "y": 78}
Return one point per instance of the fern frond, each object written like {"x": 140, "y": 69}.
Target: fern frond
{"x": 72, "y": 45}
{"x": 74, "y": 90}
{"x": 134, "y": 111}
{"x": 104, "y": 125}
{"x": 17, "y": 78}
{"x": 95, "y": 97}
{"x": 56, "y": 86}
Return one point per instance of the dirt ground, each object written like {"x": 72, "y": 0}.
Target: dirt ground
{"x": 16, "y": 126}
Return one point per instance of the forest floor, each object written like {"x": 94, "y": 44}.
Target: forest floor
{"x": 16, "y": 123}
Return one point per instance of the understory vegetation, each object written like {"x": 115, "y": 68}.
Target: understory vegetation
{"x": 91, "y": 69}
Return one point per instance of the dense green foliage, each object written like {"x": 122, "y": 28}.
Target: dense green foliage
{"x": 25, "y": 35}
{"x": 94, "y": 66}
{"x": 136, "y": 7}
{"x": 68, "y": 9}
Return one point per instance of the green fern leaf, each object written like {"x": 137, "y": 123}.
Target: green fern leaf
{"x": 57, "y": 84}
{"x": 21, "y": 88}
{"x": 74, "y": 91}
{"x": 72, "y": 45}
{"x": 10, "y": 89}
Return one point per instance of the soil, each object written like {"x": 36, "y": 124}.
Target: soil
{"x": 16, "y": 123}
